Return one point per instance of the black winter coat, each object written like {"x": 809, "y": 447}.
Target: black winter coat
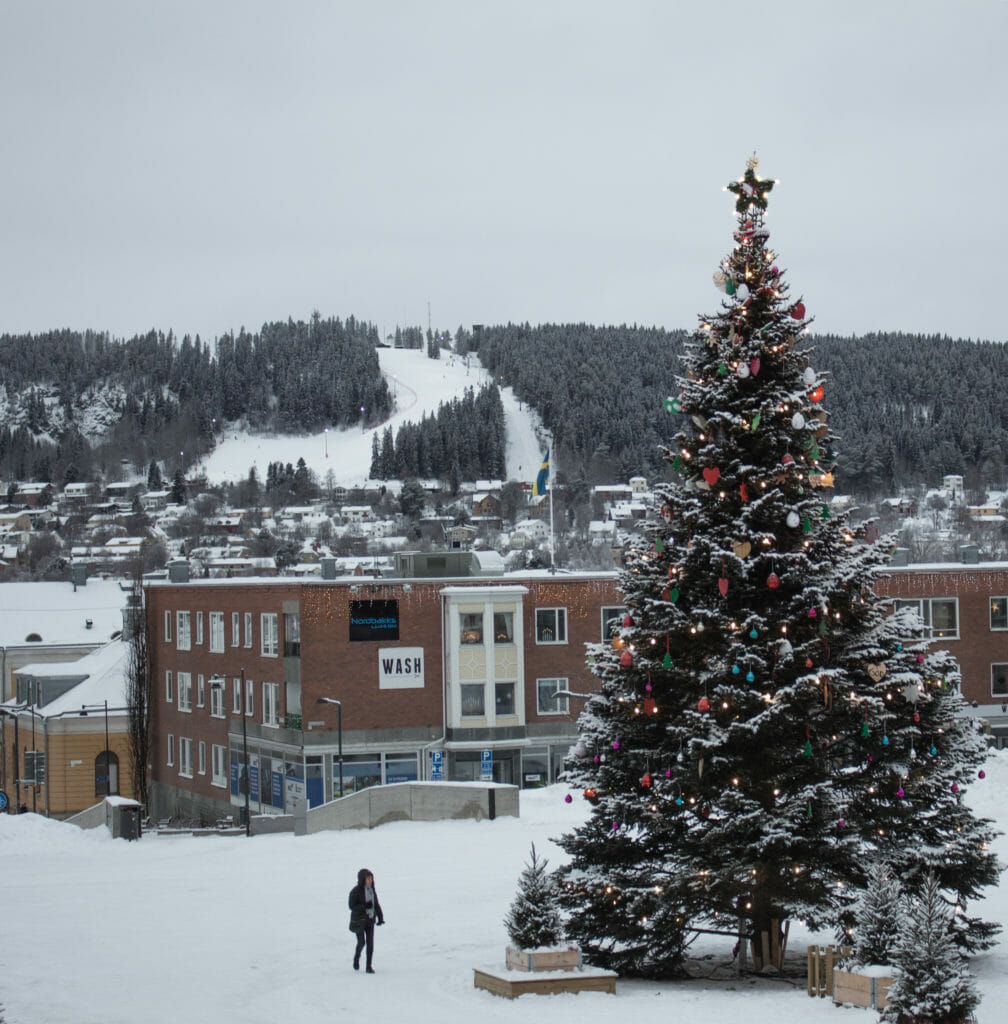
{"x": 359, "y": 919}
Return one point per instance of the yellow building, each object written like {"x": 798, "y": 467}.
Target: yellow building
{"x": 66, "y": 733}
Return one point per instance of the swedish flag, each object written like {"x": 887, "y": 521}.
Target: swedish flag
{"x": 539, "y": 487}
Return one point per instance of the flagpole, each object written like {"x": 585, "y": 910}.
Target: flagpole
{"x": 550, "y": 484}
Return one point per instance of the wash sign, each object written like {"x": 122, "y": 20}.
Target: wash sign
{"x": 400, "y": 668}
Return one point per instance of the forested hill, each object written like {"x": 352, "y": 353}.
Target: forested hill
{"x": 908, "y": 408}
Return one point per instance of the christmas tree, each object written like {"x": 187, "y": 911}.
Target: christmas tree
{"x": 877, "y": 918}
{"x": 933, "y": 983}
{"x": 534, "y": 918}
{"x": 764, "y": 730}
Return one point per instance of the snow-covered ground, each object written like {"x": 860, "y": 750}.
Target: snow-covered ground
{"x": 175, "y": 929}
{"x": 419, "y": 385}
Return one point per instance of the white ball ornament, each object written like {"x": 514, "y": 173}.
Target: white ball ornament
{"x": 808, "y": 377}
{"x": 798, "y": 421}
{"x": 793, "y": 519}
{"x": 742, "y": 292}
{"x": 742, "y": 370}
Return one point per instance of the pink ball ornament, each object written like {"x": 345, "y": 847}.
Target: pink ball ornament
{"x": 955, "y": 787}
{"x": 900, "y": 793}
{"x": 841, "y": 823}
{"x": 668, "y": 773}
{"x": 981, "y": 774}
{"x": 568, "y": 798}
{"x": 615, "y": 744}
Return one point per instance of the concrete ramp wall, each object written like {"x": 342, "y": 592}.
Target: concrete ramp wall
{"x": 415, "y": 801}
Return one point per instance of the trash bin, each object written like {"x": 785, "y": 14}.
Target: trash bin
{"x": 123, "y": 818}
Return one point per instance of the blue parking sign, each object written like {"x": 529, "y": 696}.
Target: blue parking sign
{"x": 486, "y": 766}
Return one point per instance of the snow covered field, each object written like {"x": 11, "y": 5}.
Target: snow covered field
{"x": 175, "y": 929}
{"x": 418, "y": 385}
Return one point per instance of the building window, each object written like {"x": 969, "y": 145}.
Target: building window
{"x": 171, "y": 749}
{"x": 547, "y": 702}
{"x": 471, "y": 627}
{"x": 999, "y": 613}
{"x": 236, "y": 704}
{"x": 612, "y": 619}
{"x": 185, "y": 756}
{"x": 216, "y": 701}
{"x": 503, "y": 627}
{"x": 249, "y": 698}
{"x": 202, "y": 757}
{"x": 551, "y": 625}
{"x": 217, "y": 632}
{"x": 183, "y": 636}
{"x": 939, "y": 614}
{"x": 167, "y": 627}
{"x": 292, "y": 635}
{"x": 999, "y": 680}
{"x": 199, "y": 628}
{"x": 504, "y": 699}
{"x": 472, "y": 700}
{"x": 219, "y": 766}
{"x": 185, "y": 691}
{"x": 268, "y": 630}
{"x": 106, "y": 774}
{"x": 271, "y": 701}
{"x": 235, "y": 629}
{"x": 168, "y": 687}
{"x": 248, "y": 629}
{"x": 200, "y": 691}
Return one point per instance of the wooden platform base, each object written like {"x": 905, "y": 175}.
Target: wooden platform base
{"x": 511, "y": 985}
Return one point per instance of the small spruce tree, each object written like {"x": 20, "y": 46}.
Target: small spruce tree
{"x": 877, "y": 919}
{"x": 933, "y": 984}
{"x": 534, "y": 920}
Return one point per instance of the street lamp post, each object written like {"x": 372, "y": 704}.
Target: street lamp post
{"x": 339, "y": 734}
{"x": 218, "y": 683}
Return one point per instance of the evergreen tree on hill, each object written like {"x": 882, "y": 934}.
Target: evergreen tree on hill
{"x": 765, "y": 732}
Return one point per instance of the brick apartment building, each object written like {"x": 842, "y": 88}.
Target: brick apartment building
{"x": 451, "y": 677}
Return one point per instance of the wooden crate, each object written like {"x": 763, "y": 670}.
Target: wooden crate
{"x": 861, "y": 989}
{"x": 543, "y": 959}
{"x": 511, "y": 987}
{"x": 821, "y": 961}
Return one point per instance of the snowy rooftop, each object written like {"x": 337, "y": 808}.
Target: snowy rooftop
{"x": 105, "y": 670}
{"x": 58, "y": 613}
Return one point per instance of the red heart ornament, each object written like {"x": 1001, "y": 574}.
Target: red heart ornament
{"x": 712, "y": 474}
{"x": 799, "y": 311}
{"x": 722, "y": 585}
{"x": 754, "y": 365}
{"x": 703, "y": 705}
{"x": 773, "y": 581}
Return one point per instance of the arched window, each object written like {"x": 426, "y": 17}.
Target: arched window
{"x": 33, "y": 638}
{"x": 106, "y": 774}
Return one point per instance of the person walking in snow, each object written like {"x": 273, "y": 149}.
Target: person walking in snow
{"x": 365, "y": 913}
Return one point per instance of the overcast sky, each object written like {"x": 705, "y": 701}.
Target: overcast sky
{"x": 206, "y": 165}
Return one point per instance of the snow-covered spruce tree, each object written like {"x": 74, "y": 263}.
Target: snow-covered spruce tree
{"x": 877, "y": 919}
{"x": 933, "y": 984}
{"x": 753, "y": 748}
{"x": 534, "y": 918}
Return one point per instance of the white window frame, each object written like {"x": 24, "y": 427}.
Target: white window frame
{"x": 185, "y": 757}
{"x": 236, "y": 629}
{"x": 269, "y": 634}
{"x": 216, "y": 632}
{"x": 183, "y": 686}
{"x": 167, "y": 626}
{"x": 199, "y": 628}
{"x": 236, "y": 703}
{"x": 183, "y": 631}
{"x": 248, "y": 629}
{"x": 924, "y": 606}
{"x": 471, "y": 628}
{"x": 473, "y": 686}
{"x": 171, "y": 751}
{"x": 559, "y": 617}
{"x": 249, "y": 699}
{"x": 202, "y": 757}
{"x": 200, "y": 691}
{"x": 168, "y": 686}
{"x": 217, "y": 701}
{"x": 270, "y": 704}
{"x": 1002, "y": 693}
{"x": 219, "y": 765}
{"x": 562, "y": 704}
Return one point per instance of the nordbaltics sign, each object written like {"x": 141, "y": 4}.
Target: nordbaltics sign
{"x": 374, "y": 620}
{"x": 400, "y": 668}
